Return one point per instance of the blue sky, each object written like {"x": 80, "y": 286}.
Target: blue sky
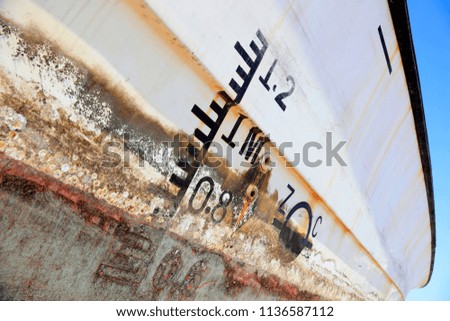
{"x": 430, "y": 24}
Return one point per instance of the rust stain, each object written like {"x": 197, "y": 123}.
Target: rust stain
{"x": 250, "y": 195}
{"x": 241, "y": 215}
{"x": 366, "y": 105}
{"x": 18, "y": 177}
{"x": 395, "y": 52}
{"x": 240, "y": 278}
{"x": 387, "y": 148}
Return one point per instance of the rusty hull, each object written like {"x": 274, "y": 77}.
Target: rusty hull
{"x": 102, "y": 196}
{"x": 74, "y": 227}
{"x": 60, "y": 243}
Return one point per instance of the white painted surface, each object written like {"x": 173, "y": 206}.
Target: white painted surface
{"x": 333, "y": 51}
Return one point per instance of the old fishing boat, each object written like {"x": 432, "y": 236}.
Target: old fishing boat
{"x": 211, "y": 150}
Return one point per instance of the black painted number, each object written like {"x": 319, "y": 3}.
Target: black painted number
{"x": 279, "y": 98}
{"x": 291, "y": 239}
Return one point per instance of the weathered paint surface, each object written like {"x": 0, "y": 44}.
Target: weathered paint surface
{"x": 75, "y": 247}
{"x": 98, "y": 199}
